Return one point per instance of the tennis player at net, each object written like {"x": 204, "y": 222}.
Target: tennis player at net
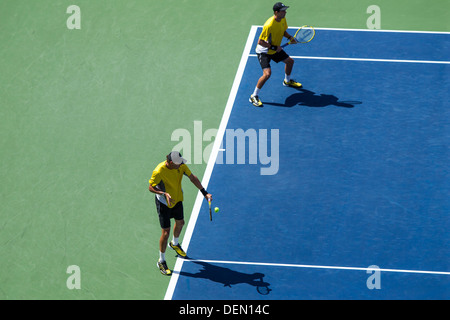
{"x": 269, "y": 48}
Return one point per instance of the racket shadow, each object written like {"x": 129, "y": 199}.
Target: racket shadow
{"x": 311, "y": 99}
{"x": 229, "y": 277}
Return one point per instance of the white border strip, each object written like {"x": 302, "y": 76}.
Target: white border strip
{"x": 366, "y": 59}
{"x": 211, "y": 161}
{"x": 319, "y": 267}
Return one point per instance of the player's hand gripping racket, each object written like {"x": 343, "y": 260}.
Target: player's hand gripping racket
{"x": 303, "y": 35}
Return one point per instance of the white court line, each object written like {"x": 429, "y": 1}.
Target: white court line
{"x": 365, "y": 59}
{"x": 378, "y": 30}
{"x": 211, "y": 161}
{"x": 371, "y": 30}
{"x": 319, "y": 267}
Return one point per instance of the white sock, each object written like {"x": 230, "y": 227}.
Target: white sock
{"x": 162, "y": 256}
{"x": 175, "y": 241}
{"x": 256, "y": 92}
{"x": 287, "y": 78}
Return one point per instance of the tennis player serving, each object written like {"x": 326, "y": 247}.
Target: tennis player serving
{"x": 269, "y": 48}
{"x": 165, "y": 183}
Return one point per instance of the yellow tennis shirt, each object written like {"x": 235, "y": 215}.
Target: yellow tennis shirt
{"x": 273, "y": 33}
{"x": 169, "y": 180}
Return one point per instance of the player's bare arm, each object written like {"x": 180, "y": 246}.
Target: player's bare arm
{"x": 198, "y": 184}
{"x": 160, "y": 192}
{"x": 290, "y": 38}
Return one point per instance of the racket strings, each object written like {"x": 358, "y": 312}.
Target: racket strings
{"x": 305, "y": 34}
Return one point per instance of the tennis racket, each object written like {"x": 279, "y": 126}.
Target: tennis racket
{"x": 303, "y": 35}
{"x": 210, "y": 213}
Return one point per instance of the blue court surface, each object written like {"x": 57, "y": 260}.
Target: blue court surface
{"x": 359, "y": 177}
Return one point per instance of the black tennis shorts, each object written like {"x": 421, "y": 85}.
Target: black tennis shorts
{"x": 264, "y": 58}
{"x": 165, "y": 213}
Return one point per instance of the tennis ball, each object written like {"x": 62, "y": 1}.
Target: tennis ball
{"x": 216, "y": 209}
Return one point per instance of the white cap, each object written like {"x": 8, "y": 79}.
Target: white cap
{"x": 176, "y": 158}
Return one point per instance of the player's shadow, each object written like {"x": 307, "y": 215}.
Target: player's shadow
{"x": 309, "y": 98}
{"x": 229, "y": 277}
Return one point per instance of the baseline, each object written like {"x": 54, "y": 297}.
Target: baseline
{"x": 318, "y": 266}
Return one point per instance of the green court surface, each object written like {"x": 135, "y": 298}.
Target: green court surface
{"x": 86, "y": 115}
